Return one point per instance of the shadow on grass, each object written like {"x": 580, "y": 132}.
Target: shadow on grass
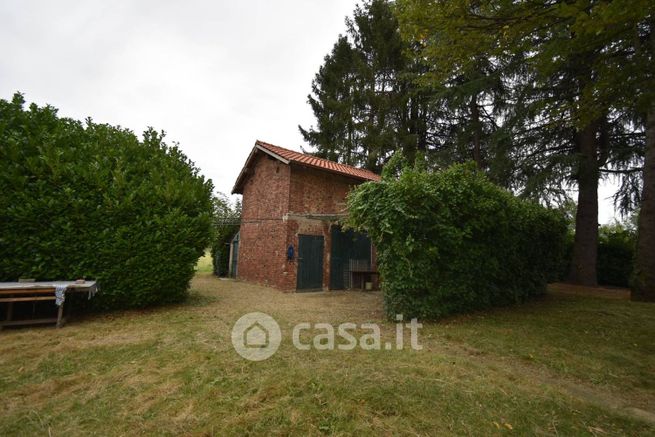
{"x": 197, "y": 299}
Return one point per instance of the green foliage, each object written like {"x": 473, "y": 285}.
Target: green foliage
{"x": 226, "y": 223}
{"x": 564, "y": 67}
{"x": 452, "y": 241}
{"x": 92, "y": 200}
{"x": 364, "y": 101}
{"x": 579, "y": 86}
{"x": 616, "y": 252}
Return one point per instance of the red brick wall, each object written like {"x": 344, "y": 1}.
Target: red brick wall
{"x": 318, "y": 192}
{"x": 263, "y": 234}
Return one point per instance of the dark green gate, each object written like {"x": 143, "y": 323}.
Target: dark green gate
{"x": 347, "y": 246}
{"x": 235, "y": 256}
{"x": 310, "y": 262}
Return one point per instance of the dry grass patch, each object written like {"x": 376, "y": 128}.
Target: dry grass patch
{"x": 566, "y": 364}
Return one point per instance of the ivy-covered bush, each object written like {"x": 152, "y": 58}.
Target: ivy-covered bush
{"x": 452, "y": 241}
{"x": 91, "y": 200}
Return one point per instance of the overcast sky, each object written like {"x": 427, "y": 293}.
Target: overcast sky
{"x": 215, "y": 75}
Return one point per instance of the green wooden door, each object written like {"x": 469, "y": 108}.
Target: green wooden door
{"x": 346, "y": 246}
{"x": 310, "y": 262}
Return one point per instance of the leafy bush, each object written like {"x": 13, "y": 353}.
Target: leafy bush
{"x": 616, "y": 252}
{"x": 92, "y": 200}
{"x": 452, "y": 241}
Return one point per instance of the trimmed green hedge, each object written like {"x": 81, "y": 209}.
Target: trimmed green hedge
{"x": 451, "y": 241}
{"x": 92, "y": 200}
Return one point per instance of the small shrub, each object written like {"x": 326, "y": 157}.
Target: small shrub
{"x": 92, "y": 200}
{"x": 452, "y": 241}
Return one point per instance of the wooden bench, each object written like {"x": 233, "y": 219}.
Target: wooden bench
{"x": 12, "y": 292}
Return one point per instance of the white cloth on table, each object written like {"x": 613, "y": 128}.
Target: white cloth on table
{"x": 60, "y": 294}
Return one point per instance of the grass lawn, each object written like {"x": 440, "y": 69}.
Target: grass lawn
{"x": 205, "y": 263}
{"x": 570, "y": 363}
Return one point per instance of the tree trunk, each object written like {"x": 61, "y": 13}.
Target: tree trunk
{"x": 477, "y": 131}
{"x": 643, "y": 287}
{"x": 410, "y": 144}
{"x": 421, "y": 124}
{"x": 585, "y": 244}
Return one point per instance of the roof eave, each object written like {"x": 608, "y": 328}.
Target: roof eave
{"x": 336, "y": 172}
{"x": 273, "y": 154}
{"x": 238, "y": 188}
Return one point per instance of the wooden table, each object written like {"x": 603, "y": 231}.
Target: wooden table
{"x": 11, "y": 292}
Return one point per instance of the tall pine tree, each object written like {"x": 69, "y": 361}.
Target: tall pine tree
{"x": 374, "y": 96}
{"x": 365, "y": 104}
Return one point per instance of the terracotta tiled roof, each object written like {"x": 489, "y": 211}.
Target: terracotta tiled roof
{"x": 325, "y": 164}
{"x": 306, "y": 160}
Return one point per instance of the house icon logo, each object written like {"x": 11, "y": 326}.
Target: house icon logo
{"x": 256, "y": 336}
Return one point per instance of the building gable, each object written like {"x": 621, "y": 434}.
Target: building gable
{"x": 287, "y": 157}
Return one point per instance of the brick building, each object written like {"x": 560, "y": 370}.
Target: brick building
{"x": 289, "y": 236}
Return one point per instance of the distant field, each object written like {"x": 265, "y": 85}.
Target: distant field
{"x": 205, "y": 263}
{"x": 566, "y": 364}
